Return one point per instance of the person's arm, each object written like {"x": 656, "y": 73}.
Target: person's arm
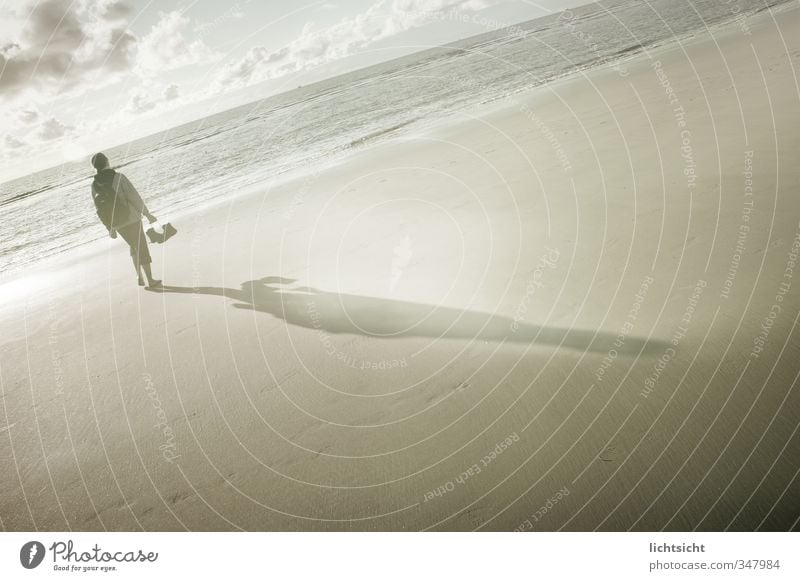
{"x": 134, "y": 199}
{"x": 111, "y": 231}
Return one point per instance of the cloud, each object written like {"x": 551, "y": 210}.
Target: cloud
{"x": 350, "y": 35}
{"x": 172, "y": 92}
{"x": 165, "y": 47}
{"x": 139, "y": 104}
{"x": 65, "y": 44}
{"x": 28, "y": 115}
{"x": 258, "y": 64}
{"x": 12, "y": 142}
{"x": 110, "y": 10}
{"x": 147, "y": 99}
{"x": 52, "y": 129}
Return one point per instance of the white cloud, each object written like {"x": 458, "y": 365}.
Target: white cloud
{"x": 110, "y": 10}
{"x": 172, "y": 92}
{"x": 149, "y": 99}
{"x": 165, "y": 47}
{"x": 139, "y": 103}
{"x": 29, "y": 115}
{"x": 52, "y": 129}
{"x": 12, "y": 142}
{"x": 258, "y": 64}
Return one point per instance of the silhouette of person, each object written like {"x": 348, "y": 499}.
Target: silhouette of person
{"x": 120, "y": 208}
{"x": 337, "y": 313}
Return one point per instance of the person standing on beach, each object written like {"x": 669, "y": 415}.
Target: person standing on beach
{"x": 120, "y": 208}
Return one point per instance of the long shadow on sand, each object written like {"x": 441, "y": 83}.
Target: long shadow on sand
{"x": 388, "y": 318}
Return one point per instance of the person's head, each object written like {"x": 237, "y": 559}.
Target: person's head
{"x": 99, "y": 161}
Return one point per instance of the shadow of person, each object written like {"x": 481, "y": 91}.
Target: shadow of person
{"x": 339, "y": 313}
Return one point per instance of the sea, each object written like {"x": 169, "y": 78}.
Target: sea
{"x": 211, "y": 159}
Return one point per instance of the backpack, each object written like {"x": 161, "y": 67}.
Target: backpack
{"x": 110, "y": 207}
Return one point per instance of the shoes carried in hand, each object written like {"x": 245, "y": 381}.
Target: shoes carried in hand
{"x": 157, "y": 237}
{"x": 169, "y": 231}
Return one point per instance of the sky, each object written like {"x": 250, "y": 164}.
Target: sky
{"x": 78, "y": 76}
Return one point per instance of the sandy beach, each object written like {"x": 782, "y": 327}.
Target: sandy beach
{"x": 575, "y": 309}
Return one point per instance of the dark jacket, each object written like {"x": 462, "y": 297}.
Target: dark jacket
{"x": 127, "y": 205}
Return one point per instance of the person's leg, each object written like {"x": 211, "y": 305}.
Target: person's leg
{"x": 137, "y": 268}
{"x": 149, "y": 274}
{"x": 134, "y": 235}
{"x": 144, "y": 257}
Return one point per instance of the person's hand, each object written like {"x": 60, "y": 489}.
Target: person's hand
{"x": 152, "y": 218}
{"x": 112, "y": 233}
